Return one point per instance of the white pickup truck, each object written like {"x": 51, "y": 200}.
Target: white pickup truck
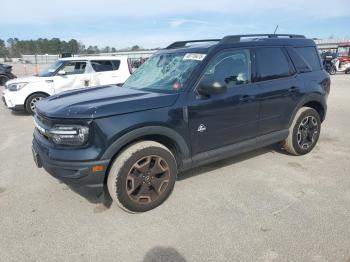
{"x": 65, "y": 74}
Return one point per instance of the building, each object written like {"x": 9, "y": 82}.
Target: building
{"x": 331, "y": 44}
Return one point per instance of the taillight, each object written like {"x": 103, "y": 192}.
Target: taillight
{"x": 327, "y": 86}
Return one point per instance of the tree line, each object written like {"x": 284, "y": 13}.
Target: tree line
{"x": 14, "y": 47}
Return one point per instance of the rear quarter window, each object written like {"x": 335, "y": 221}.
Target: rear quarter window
{"x": 310, "y": 56}
{"x": 105, "y": 65}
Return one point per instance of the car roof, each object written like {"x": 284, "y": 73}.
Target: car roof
{"x": 239, "y": 41}
{"x": 79, "y": 58}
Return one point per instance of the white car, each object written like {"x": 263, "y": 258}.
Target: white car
{"x": 65, "y": 74}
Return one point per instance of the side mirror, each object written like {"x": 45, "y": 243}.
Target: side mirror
{"x": 61, "y": 73}
{"x": 211, "y": 87}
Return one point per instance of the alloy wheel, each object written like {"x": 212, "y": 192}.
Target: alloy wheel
{"x": 147, "y": 179}
{"x": 307, "y": 132}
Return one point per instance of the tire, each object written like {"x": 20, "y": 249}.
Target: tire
{"x": 332, "y": 70}
{"x": 304, "y": 132}
{"x": 131, "y": 182}
{"x": 32, "y": 100}
{"x": 3, "y": 80}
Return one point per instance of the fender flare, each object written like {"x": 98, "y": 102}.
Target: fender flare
{"x": 306, "y": 99}
{"x": 135, "y": 134}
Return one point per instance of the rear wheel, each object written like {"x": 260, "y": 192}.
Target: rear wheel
{"x": 304, "y": 132}
{"x": 32, "y": 100}
{"x": 3, "y": 80}
{"x": 142, "y": 176}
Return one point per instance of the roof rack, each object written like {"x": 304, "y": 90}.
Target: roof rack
{"x": 237, "y": 38}
{"x": 179, "y": 44}
{"x": 232, "y": 39}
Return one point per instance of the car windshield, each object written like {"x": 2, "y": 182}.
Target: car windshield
{"x": 51, "y": 69}
{"x": 343, "y": 51}
{"x": 165, "y": 72}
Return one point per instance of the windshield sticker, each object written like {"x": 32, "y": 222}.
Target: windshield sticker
{"x": 194, "y": 56}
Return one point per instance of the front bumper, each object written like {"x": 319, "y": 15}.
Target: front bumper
{"x": 11, "y": 102}
{"x": 74, "y": 173}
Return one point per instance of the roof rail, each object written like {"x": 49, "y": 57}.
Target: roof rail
{"x": 179, "y": 44}
{"x": 237, "y": 38}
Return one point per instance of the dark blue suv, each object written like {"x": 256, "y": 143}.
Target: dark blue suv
{"x": 191, "y": 103}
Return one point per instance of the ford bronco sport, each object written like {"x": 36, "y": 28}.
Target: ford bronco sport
{"x": 191, "y": 103}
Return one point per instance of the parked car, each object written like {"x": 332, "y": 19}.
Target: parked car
{"x": 5, "y": 74}
{"x": 189, "y": 104}
{"x": 65, "y": 74}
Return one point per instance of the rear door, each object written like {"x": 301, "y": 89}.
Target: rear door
{"x": 75, "y": 76}
{"x": 106, "y": 72}
{"x": 278, "y": 88}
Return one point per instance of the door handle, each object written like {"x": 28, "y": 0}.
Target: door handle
{"x": 246, "y": 98}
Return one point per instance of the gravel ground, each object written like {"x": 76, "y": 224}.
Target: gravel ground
{"x": 261, "y": 206}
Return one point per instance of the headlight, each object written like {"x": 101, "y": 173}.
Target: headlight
{"x": 69, "y": 135}
{"x": 16, "y": 86}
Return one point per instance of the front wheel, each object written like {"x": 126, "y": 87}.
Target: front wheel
{"x": 32, "y": 100}
{"x": 142, "y": 177}
{"x": 304, "y": 132}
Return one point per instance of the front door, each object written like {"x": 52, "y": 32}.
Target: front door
{"x": 72, "y": 75}
{"x": 231, "y": 117}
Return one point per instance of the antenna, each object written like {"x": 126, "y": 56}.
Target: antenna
{"x": 274, "y": 32}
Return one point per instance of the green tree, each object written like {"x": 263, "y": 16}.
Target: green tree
{"x": 135, "y": 48}
{"x": 3, "y": 50}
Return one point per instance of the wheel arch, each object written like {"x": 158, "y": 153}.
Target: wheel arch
{"x": 163, "y": 135}
{"x": 38, "y": 92}
{"x": 314, "y": 101}
{"x": 318, "y": 107}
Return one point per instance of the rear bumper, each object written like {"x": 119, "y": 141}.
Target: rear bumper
{"x": 76, "y": 174}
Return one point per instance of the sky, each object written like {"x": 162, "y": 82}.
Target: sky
{"x": 157, "y": 23}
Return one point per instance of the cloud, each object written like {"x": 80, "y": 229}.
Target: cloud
{"x": 44, "y": 11}
{"x": 180, "y": 22}
{"x": 156, "y": 23}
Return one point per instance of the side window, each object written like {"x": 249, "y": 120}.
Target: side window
{"x": 271, "y": 63}
{"x": 74, "y": 68}
{"x": 104, "y": 65}
{"x": 310, "y": 55}
{"x": 116, "y": 64}
{"x": 231, "y": 68}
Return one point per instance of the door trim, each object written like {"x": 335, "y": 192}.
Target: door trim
{"x": 237, "y": 148}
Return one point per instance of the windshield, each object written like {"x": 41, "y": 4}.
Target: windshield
{"x": 343, "y": 51}
{"x": 165, "y": 72}
{"x": 51, "y": 69}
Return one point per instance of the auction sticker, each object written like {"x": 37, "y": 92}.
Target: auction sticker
{"x": 194, "y": 56}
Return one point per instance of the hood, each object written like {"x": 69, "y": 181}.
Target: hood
{"x": 28, "y": 79}
{"x": 5, "y": 67}
{"x": 102, "y": 101}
